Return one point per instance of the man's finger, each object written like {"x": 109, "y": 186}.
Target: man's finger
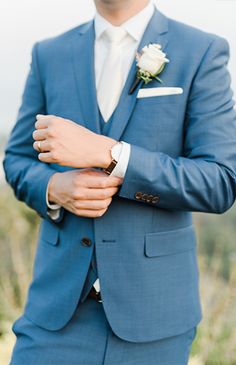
{"x": 38, "y": 116}
{"x": 90, "y": 213}
{"x": 45, "y": 157}
{"x": 94, "y": 178}
{"x": 102, "y": 182}
{"x": 95, "y": 194}
{"x": 42, "y": 121}
{"x": 114, "y": 180}
{"x": 44, "y": 146}
{"x": 43, "y": 116}
{"x": 93, "y": 204}
{"x": 40, "y": 135}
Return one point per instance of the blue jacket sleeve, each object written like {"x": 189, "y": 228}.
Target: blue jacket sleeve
{"x": 24, "y": 172}
{"x": 203, "y": 179}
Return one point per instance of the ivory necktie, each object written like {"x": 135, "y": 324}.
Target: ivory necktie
{"x": 111, "y": 81}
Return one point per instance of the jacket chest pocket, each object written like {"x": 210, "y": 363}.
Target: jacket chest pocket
{"x": 160, "y": 113}
{"x": 156, "y": 125}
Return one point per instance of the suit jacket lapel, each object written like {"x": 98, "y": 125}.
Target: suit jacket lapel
{"x": 83, "y": 61}
{"x": 156, "y": 32}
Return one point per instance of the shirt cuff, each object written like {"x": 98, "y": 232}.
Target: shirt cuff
{"x": 54, "y": 214}
{"x": 123, "y": 161}
{"x": 51, "y": 206}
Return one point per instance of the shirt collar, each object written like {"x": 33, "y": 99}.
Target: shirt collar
{"x": 134, "y": 26}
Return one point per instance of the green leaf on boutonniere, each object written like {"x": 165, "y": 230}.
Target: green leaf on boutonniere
{"x": 158, "y": 79}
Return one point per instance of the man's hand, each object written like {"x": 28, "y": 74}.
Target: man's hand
{"x": 67, "y": 143}
{"x": 86, "y": 193}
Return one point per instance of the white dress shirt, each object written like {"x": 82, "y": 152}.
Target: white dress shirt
{"x": 135, "y": 28}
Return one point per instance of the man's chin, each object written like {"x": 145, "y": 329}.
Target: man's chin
{"x": 112, "y": 3}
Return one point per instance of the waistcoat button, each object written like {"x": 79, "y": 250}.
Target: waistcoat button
{"x": 86, "y": 242}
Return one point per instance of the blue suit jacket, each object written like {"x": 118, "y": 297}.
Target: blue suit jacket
{"x": 183, "y": 150}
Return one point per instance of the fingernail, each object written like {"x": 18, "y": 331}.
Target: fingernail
{"x": 39, "y": 115}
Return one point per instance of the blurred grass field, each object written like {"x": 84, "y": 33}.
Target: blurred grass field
{"x": 216, "y": 339}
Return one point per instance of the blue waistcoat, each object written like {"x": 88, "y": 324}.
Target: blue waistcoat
{"x": 92, "y": 272}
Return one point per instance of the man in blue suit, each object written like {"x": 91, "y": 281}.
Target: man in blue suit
{"x": 114, "y": 160}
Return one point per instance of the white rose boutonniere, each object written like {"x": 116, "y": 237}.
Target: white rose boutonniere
{"x": 150, "y": 63}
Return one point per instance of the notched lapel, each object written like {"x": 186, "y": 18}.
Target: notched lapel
{"x": 156, "y": 32}
{"x": 83, "y": 63}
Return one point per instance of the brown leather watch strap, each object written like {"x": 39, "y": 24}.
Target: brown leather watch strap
{"x": 108, "y": 170}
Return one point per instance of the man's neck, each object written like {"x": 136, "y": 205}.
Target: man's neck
{"x": 117, "y": 14}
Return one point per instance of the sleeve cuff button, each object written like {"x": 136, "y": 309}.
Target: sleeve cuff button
{"x": 155, "y": 200}
{"x": 138, "y": 195}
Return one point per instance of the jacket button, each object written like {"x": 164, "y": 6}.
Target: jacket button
{"x": 86, "y": 242}
{"x": 149, "y": 198}
{"x": 145, "y": 197}
{"x": 138, "y": 195}
{"x": 155, "y": 200}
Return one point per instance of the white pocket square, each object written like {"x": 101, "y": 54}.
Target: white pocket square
{"x": 159, "y": 91}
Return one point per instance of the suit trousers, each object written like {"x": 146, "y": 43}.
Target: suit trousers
{"x": 89, "y": 340}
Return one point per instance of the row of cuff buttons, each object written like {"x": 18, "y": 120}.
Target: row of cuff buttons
{"x": 147, "y": 198}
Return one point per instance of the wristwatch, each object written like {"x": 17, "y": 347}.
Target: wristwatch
{"x": 115, "y": 154}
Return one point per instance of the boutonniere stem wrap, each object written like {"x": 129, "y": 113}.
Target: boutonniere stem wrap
{"x": 150, "y": 63}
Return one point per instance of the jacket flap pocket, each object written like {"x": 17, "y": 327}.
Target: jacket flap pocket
{"x": 49, "y": 232}
{"x": 170, "y": 242}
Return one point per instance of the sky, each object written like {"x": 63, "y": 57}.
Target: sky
{"x": 24, "y": 22}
